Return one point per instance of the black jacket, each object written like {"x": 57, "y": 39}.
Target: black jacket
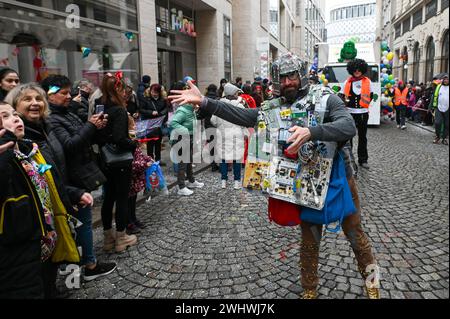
{"x": 151, "y": 105}
{"x": 116, "y": 132}
{"x": 53, "y": 153}
{"x": 76, "y": 139}
{"x": 80, "y": 109}
{"x": 3, "y": 94}
{"x": 21, "y": 229}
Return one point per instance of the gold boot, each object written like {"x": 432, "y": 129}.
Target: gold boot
{"x": 373, "y": 293}
{"x": 309, "y": 294}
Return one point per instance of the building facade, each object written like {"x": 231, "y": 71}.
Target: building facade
{"x": 418, "y": 34}
{"x": 262, "y": 30}
{"x": 310, "y": 28}
{"x": 352, "y": 20}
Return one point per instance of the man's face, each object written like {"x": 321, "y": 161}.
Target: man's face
{"x": 445, "y": 81}
{"x": 290, "y": 85}
{"x": 357, "y": 74}
{"x": 62, "y": 98}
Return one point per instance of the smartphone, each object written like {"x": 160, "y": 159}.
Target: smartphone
{"x": 99, "y": 109}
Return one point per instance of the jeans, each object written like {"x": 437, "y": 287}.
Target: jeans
{"x": 116, "y": 192}
{"x": 401, "y": 115}
{"x": 310, "y": 246}
{"x": 237, "y": 167}
{"x": 441, "y": 124}
{"x": 85, "y": 236}
{"x": 361, "y": 121}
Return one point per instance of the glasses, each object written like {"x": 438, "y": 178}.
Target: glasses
{"x": 17, "y": 81}
{"x": 291, "y": 76}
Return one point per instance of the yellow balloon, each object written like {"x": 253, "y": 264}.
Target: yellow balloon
{"x": 325, "y": 82}
{"x": 390, "y": 104}
{"x": 390, "y": 56}
{"x": 386, "y": 93}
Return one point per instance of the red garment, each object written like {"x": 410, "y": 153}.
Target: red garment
{"x": 139, "y": 166}
{"x": 250, "y": 100}
{"x": 284, "y": 213}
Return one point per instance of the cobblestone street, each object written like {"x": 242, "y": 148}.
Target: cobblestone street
{"x": 220, "y": 244}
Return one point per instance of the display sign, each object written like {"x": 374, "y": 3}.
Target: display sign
{"x": 181, "y": 24}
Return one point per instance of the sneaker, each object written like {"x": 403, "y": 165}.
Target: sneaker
{"x": 436, "y": 140}
{"x": 140, "y": 224}
{"x": 399, "y": 127}
{"x": 196, "y": 184}
{"x": 224, "y": 184}
{"x": 237, "y": 185}
{"x": 133, "y": 229}
{"x": 365, "y": 165}
{"x": 444, "y": 141}
{"x": 99, "y": 271}
{"x": 404, "y": 127}
{"x": 185, "y": 192}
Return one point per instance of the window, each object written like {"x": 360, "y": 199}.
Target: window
{"x": 407, "y": 25}
{"x": 429, "y": 64}
{"x": 405, "y": 63}
{"x": 416, "y": 62}
{"x": 417, "y": 18}
{"x": 444, "y": 4}
{"x": 445, "y": 53}
{"x": 227, "y": 40}
{"x": 398, "y": 31}
{"x": 431, "y": 9}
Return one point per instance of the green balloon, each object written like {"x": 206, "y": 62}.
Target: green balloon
{"x": 391, "y": 77}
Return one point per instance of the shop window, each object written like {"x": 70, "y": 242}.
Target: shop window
{"x": 42, "y": 47}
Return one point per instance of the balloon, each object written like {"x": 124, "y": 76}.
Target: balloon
{"x": 393, "y": 82}
{"x": 382, "y": 66}
{"x": 385, "y": 53}
{"x": 386, "y": 92}
{"x": 390, "y": 104}
{"x": 389, "y": 85}
{"x": 386, "y": 77}
{"x": 391, "y": 77}
{"x": 385, "y": 61}
{"x": 390, "y": 56}
{"x": 389, "y": 66}
{"x": 323, "y": 77}
{"x": 86, "y": 51}
{"x": 325, "y": 82}
{"x": 385, "y": 70}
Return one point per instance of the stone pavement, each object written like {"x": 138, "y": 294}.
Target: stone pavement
{"x": 220, "y": 244}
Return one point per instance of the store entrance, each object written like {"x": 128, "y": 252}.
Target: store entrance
{"x": 170, "y": 67}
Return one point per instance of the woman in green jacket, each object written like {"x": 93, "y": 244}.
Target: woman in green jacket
{"x": 182, "y": 137}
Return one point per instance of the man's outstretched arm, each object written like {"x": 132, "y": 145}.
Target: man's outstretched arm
{"x": 228, "y": 112}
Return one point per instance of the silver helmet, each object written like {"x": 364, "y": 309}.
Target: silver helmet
{"x": 284, "y": 65}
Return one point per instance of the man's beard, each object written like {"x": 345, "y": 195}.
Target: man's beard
{"x": 290, "y": 94}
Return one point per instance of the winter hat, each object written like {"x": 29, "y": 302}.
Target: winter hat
{"x": 146, "y": 79}
{"x": 231, "y": 90}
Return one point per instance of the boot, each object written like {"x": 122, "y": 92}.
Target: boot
{"x": 309, "y": 294}
{"x": 109, "y": 240}
{"x": 123, "y": 241}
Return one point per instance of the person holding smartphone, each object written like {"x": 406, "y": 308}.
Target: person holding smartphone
{"x": 82, "y": 170}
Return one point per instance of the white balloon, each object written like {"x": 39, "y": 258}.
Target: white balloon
{"x": 385, "y": 70}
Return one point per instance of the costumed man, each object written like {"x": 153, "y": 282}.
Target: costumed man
{"x": 440, "y": 105}
{"x": 357, "y": 91}
{"x": 337, "y": 127}
{"x": 401, "y": 104}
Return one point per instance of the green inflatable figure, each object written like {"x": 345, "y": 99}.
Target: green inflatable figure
{"x": 348, "y": 52}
